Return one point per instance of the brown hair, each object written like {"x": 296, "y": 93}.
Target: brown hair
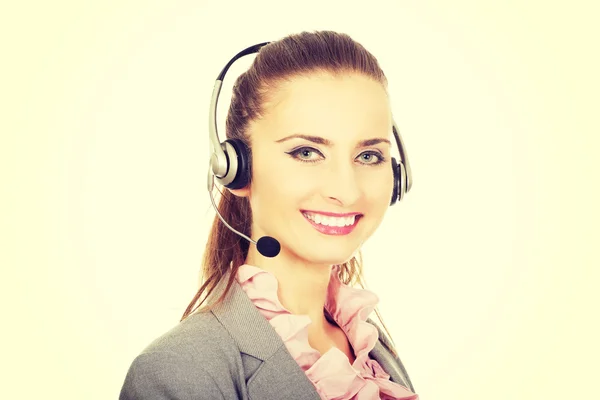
{"x": 298, "y": 54}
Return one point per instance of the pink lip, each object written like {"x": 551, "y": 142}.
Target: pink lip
{"x": 330, "y": 214}
{"x": 334, "y": 230}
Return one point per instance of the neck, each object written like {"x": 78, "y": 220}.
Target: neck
{"x": 302, "y": 286}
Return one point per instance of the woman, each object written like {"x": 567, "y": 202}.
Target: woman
{"x": 311, "y": 119}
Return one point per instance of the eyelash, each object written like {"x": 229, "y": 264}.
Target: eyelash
{"x": 294, "y": 155}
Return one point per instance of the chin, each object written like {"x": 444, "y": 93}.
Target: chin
{"x": 328, "y": 256}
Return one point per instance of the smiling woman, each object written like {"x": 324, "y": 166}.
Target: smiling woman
{"x": 290, "y": 323}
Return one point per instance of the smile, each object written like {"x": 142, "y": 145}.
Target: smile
{"x": 332, "y": 225}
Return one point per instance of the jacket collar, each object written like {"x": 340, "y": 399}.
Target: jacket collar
{"x": 253, "y": 334}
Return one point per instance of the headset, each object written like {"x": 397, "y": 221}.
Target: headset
{"x": 230, "y": 161}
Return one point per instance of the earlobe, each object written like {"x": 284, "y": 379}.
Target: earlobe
{"x": 243, "y": 192}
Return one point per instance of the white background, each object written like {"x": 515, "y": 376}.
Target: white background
{"x": 486, "y": 273}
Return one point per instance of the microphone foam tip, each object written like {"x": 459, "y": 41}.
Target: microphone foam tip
{"x": 268, "y": 246}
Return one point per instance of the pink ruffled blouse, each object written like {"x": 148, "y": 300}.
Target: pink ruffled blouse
{"x": 331, "y": 373}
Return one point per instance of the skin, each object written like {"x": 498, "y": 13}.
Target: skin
{"x": 345, "y": 110}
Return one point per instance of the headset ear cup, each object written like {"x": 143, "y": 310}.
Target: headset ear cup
{"x": 242, "y": 175}
{"x": 396, "y": 181}
{"x": 403, "y": 179}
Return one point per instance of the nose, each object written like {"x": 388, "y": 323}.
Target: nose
{"x": 340, "y": 183}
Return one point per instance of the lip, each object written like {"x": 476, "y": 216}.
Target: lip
{"x": 330, "y": 214}
{"x": 334, "y": 230}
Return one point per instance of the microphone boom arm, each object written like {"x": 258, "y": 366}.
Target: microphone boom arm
{"x": 219, "y": 214}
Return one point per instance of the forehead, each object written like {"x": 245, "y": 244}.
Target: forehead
{"x": 322, "y": 101}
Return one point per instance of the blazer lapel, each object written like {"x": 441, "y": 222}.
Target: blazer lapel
{"x": 280, "y": 376}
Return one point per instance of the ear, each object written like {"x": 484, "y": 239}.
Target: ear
{"x": 243, "y": 192}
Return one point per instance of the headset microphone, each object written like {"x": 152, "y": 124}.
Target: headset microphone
{"x": 266, "y": 245}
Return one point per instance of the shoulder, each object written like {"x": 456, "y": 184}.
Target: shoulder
{"x": 193, "y": 357}
{"x": 194, "y": 336}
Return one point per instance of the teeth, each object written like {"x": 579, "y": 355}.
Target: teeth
{"x": 331, "y": 221}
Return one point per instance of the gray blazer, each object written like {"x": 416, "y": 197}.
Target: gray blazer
{"x": 231, "y": 352}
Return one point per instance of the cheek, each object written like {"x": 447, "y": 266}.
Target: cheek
{"x": 276, "y": 183}
{"x": 378, "y": 188}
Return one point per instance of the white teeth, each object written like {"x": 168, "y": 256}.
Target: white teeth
{"x": 331, "y": 221}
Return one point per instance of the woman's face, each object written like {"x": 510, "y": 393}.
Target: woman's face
{"x": 296, "y": 180}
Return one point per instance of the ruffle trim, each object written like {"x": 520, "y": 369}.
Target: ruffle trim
{"x": 331, "y": 373}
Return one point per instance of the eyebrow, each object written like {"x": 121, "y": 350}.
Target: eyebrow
{"x": 327, "y": 142}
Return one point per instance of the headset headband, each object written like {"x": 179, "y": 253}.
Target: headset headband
{"x": 219, "y": 162}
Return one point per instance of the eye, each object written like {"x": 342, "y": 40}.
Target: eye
{"x": 304, "y": 153}
{"x": 370, "y": 155}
